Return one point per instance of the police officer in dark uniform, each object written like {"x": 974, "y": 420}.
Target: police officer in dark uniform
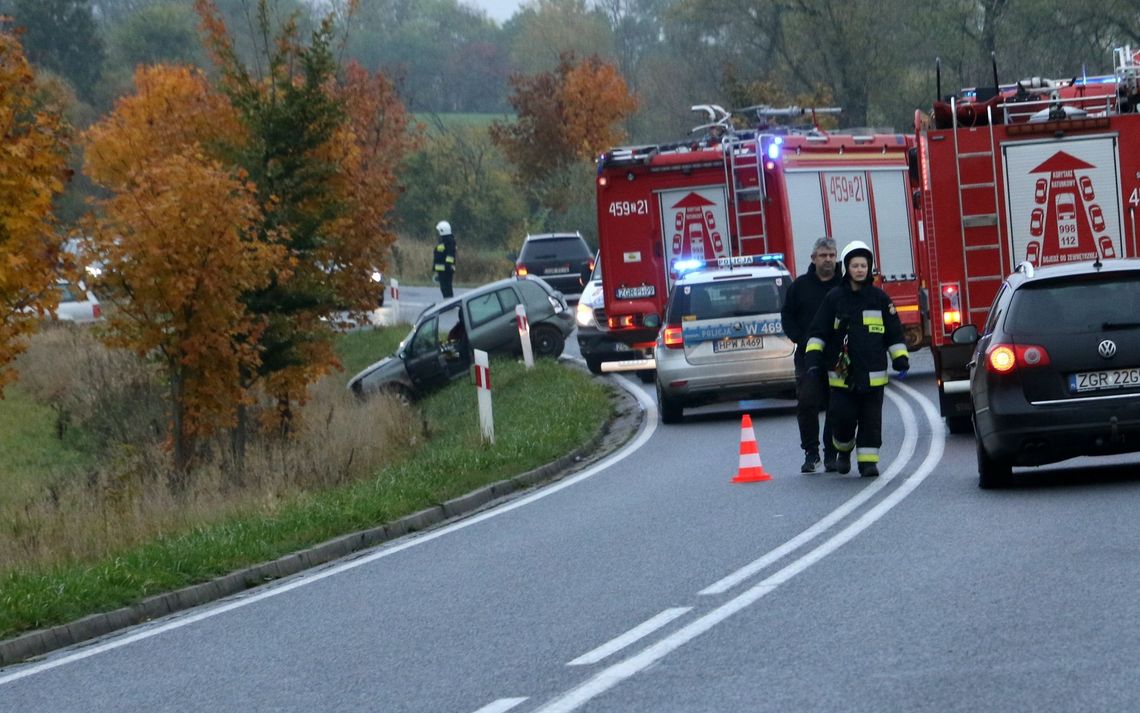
{"x": 804, "y": 298}
{"x": 856, "y": 327}
{"x": 443, "y": 261}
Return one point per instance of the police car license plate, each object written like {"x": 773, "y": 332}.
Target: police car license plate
{"x": 556, "y": 270}
{"x": 1104, "y": 380}
{"x": 738, "y": 344}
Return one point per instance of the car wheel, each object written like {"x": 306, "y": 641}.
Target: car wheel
{"x": 959, "y": 425}
{"x": 547, "y": 341}
{"x": 401, "y": 394}
{"x": 594, "y": 365}
{"x": 670, "y": 410}
{"x": 647, "y": 376}
{"x": 992, "y": 473}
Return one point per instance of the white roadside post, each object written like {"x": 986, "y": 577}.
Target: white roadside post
{"x": 483, "y": 390}
{"x": 395, "y": 301}
{"x": 524, "y": 335}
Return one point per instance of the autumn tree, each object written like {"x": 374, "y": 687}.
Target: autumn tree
{"x": 565, "y": 117}
{"x": 182, "y": 242}
{"x": 32, "y": 173}
{"x": 322, "y": 151}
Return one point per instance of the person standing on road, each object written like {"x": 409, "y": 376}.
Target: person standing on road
{"x": 856, "y": 327}
{"x": 803, "y": 300}
{"x": 443, "y": 261}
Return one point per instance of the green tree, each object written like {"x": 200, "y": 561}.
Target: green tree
{"x": 60, "y": 35}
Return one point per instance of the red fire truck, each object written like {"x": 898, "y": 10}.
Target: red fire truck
{"x": 1031, "y": 171}
{"x": 752, "y": 192}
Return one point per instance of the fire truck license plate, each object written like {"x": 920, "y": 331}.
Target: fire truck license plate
{"x": 1104, "y": 380}
{"x": 556, "y": 270}
{"x": 738, "y": 344}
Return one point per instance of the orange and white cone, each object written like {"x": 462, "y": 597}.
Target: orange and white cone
{"x": 751, "y": 469}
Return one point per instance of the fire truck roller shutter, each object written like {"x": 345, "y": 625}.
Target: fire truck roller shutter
{"x": 806, "y": 216}
{"x": 892, "y": 223}
{"x": 848, "y": 207}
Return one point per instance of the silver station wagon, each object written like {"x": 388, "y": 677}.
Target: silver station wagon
{"x": 723, "y": 339}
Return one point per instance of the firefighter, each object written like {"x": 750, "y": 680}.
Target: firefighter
{"x": 804, "y": 298}
{"x": 443, "y": 262}
{"x": 856, "y": 327}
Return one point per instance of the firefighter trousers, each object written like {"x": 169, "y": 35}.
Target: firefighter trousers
{"x": 445, "y": 283}
{"x": 811, "y": 398}
{"x": 857, "y": 422}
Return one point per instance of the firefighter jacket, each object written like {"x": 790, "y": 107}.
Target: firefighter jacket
{"x": 444, "y": 258}
{"x": 851, "y": 336}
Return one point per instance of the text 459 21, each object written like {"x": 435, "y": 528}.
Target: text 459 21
{"x": 620, "y": 209}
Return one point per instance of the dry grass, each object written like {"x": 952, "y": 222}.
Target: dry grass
{"x": 412, "y": 260}
{"x": 109, "y": 401}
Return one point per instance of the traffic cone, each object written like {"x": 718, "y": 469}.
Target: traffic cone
{"x": 751, "y": 469}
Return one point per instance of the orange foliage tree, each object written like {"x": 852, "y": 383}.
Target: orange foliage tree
{"x": 322, "y": 150}
{"x": 181, "y": 242}
{"x": 567, "y": 115}
{"x": 33, "y": 169}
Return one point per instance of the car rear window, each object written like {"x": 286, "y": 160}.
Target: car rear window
{"x": 568, "y": 248}
{"x": 1088, "y": 303}
{"x": 730, "y": 298}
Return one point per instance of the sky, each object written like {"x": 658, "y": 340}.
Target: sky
{"x": 498, "y": 10}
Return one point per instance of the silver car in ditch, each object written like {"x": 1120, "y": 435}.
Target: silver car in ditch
{"x": 723, "y": 339}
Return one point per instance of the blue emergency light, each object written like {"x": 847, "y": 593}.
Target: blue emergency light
{"x": 774, "y": 148}
{"x": 681, "y": 267}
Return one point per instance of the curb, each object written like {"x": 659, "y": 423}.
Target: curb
{"x": 42, "y": 641}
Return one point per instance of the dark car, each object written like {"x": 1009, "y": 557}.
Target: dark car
{"x": 1056, "y": 370}
{"x": 439, "y": 349}
{"x": 562, "y": 259}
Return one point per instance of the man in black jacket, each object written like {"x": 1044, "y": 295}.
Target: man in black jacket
{"x": 804, "y": 298}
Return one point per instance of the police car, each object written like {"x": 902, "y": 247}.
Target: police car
{"x": 722, "y": 339}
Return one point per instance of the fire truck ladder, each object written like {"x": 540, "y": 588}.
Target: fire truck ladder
{"x": 981, "y": 232}
{"x": 744, "y": 176}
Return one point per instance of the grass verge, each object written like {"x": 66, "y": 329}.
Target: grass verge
{"x": 540, "y": 415}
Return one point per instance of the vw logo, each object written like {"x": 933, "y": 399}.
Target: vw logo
{"x": 1107, "y": 349}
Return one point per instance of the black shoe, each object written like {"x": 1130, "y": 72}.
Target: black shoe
{"x": 811, "y": 462}
{"x": 829, "y": 464}
{"x": 843, "y": 462}
{"x": 868, "y": 470}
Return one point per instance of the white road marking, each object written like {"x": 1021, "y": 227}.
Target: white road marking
{"x": 304, "y": 579}
{"x": 503, "y": 704}
{"x": 906, "y": 451}
{"x": 630, "y": 637}
{"x": 608, "y": 678}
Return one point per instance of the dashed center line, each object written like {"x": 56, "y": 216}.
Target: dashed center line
{"x": 630, "y": 637}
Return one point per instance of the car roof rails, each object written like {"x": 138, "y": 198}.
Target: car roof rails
{"x": 1025, "y": 267}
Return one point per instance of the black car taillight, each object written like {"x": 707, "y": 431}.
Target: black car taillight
{"x": 1004, "y": 358}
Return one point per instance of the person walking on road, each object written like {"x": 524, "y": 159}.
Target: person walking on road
{"x": 443, "y": 261}
{"x": 855, "y": 329}
{"x": 803, "y": 300}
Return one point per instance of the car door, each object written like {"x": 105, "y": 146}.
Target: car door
{"x": 492, "y": 319}
{"x": 424, "y": 357}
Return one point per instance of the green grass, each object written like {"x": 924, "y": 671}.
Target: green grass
{"x": 30, "y": 452}
{"x": 365, "y": 346}
{"x": 540, "y": 415}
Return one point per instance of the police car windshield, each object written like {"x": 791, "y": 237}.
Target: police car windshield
{"x": 727, "y": 299}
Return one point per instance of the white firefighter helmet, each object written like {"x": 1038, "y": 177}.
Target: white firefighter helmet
{"x": 443, "y": 228}
{"x": 857, "y": 247}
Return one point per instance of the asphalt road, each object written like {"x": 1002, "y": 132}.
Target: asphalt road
{"x": 649, "y": 582}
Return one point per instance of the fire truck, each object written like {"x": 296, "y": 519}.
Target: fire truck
{"x": 1036, "y": 171}
{"x": 763, "y": 191}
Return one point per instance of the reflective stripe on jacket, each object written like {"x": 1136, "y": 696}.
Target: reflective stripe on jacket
{"x": 869, "y": 320}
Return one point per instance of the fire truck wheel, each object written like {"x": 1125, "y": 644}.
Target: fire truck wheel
{"x": 992, "y": 473}
{"x": 594, "y": 364}
{"x": 670, "y": 410}
{"x": 959, "y": 425}
{"x": 647, "y": 376}
{"x": 547, "y": 341}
